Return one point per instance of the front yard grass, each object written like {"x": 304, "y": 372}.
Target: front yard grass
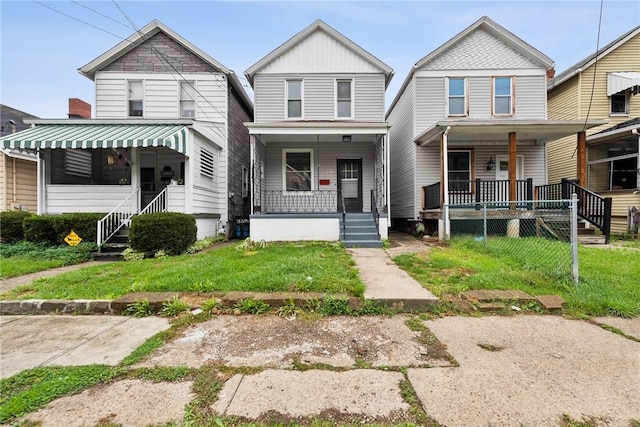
{"x": 24, "y": 257}
{"x": 299, "y": 267}
{"x": 608, "y": 283}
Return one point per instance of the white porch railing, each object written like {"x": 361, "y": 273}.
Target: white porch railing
{"x": 158, "y": 204}
{"x": 117, "y": 218}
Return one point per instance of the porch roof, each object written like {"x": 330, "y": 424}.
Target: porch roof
{"x": 95, "y": 136}
{"x": 494, "y": 131}
{"x": 317, "y": 128}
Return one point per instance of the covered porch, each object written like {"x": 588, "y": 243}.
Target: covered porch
{"x": 307, "y": 177}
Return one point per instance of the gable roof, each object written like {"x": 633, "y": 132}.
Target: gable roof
{"x": 7, "y": 113}
{"x": 319, "y": 25}
{"x": 591, "y": 59}
{"x": 154, "y": 27}
{"x": 492, "y": 28}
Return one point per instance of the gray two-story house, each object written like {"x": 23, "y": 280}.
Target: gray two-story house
{"x": 469, "y": 124}
{"x": 168, "y": 135}
{"x": 319, "y": 141}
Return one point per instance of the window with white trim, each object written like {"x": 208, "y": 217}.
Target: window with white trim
{"x": 502, "y": 96}
{"x": 207, "y": 164}
{"x": 135, "y": 97}
{"x": 459, "y": 164}
{"x": 188, "y": 99}
{"x": 620, "y": 103}
{"x": 297, "y": 171}
{"x": 457, "y": 96}
{"x": 344, "y": 98}
{"x": 294, "y": 99}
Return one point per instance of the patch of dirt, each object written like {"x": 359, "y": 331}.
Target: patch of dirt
{"x": 275, "y": 342}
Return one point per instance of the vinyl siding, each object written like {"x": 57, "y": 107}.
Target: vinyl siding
{"x": 480, "y": 97}
{"x": 209, "y": 195}
{"x": 325, "y": 156}
{"x": 402, "y": 156}
{"x": 429, "y": 102}
{"x": 239, "y": 155}
{"x": 161, "y": 95}
{"x": 25, "y": 179}
{"x": 621, "y": 200}
{"x": 530, "y": 97}
{"x": 318, "y": 96}
{"x": 84, "y": 198}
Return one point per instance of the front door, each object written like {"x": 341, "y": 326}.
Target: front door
{"x": 148, "y": 179}
{"x": 502, "y": 174}
{"x": 350, "y": 184}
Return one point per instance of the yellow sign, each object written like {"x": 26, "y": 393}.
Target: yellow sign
{"x": 72, "y": 238}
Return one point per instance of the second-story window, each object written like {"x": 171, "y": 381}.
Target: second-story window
{"x": 294, "y": 99}
{"x": 502, "y": 96}
{"x": 344, "y": 98}
{"x": 457, "y": 100}
{"x": 620, "y": 103}
{"x": 188, "y": 99}
{"x": 135, "y": 96}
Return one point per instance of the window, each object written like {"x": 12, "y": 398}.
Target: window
{"x": 135, "y": 95}
{"x": 188, "y": 99}
{"x": 344, "y": 104}
{"x": 620, "y": 103}
{"x": 502, "y": 96}
{"x": 457, "y": 97}
{"x": 459, "y": 163}
{"x": 294, "y": 99}
{"x": 245, "y": 182}
{"x": 298, "y": 170}
{"x": 78, "y": 163}
{"x": 207, "y": 164}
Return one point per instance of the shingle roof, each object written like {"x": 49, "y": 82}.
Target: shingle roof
{"x": 7, "y": 113}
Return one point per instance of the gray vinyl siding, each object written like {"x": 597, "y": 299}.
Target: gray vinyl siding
{"x": 325, "y": 157}
{"x": 402, "y": 156}
{"x": 429, "y": 102}
{"x": 531, "y": 97}
{"x": 427, "y": 171}
{"x": 319, "y": 96}
{"x": 480, "y": 97}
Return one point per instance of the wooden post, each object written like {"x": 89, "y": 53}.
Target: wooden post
{"x": 581, "y": 169}
{"x": 512, "y": 169}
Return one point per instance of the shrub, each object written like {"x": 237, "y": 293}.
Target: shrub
{"x": 39, "y": 229}
{"x": 11, "y": 230}
{"x": 170, "y": 232}
{"x": 84, "y": 225}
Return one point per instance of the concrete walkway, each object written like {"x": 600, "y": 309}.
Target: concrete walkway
{"x": 14, "y": 282}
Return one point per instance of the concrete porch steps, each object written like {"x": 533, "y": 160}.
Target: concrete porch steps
{"x": 360, "y": 231}
{"x": 113, "y": 248}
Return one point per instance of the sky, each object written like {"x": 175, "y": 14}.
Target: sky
{"x": 41, "y": 48}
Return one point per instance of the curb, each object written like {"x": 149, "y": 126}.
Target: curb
{"x": 55, "y": 306}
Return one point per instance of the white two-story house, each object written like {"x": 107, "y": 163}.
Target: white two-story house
{"x": 469, "y": 125}
{"x": 319, "y": 141}
{"x": 168, "y": 135}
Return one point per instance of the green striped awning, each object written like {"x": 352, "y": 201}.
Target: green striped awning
{"x": 98, "y": 136}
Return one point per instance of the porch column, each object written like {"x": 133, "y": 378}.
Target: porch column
{"x": 513, "y": 194}
{"x": 252, "y": 161}
{"x": 581, "y": 169}
{"x": 442, "y": 167}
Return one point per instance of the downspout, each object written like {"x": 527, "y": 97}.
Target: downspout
{"x": 252, "y": 163}
{"x": 445, "y": 184}
{"x": 635, "y": 132}
{"x": 387, "y": 176}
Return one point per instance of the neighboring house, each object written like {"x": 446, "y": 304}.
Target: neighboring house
{"x": 609, "y": 163}
{"x": 319, "y": 142}
{"x": 18, "y": 168}
{"x": 469, "y": 124}
{"x": 168, "y": 134}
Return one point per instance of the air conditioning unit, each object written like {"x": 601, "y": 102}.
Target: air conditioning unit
{"x": 188, "y": 113}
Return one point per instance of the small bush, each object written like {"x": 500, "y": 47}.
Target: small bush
{"x": 131, "y": 255}
{"x": 170, "y": 232}
{"x": 39, "y": 229}
{"x": 11, "y": 230}
{"x": 84, "y": 225}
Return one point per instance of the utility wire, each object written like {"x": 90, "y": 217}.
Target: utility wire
{"x": 595, "y": 68}
{"x": 100, "y": 13}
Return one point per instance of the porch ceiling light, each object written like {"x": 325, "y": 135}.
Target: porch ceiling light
{"x": 346, "y": 138}
{"x": 490, "y": 164}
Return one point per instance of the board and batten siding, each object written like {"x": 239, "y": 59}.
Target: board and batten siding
{"x": 325, "y": 155}
{"x": 319, "y": 96}
{"x": 402, "y": 156}
{"x": 161, "y": 95}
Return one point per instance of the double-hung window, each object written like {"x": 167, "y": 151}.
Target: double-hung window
{"x": 457, "y": 99}
{"x": 298, "y": 169}
{"x": 459, "y": 164}
{"x": 502, "y": 96}
{"x": 620, "y": 103}
{"x": 344, "y": 98}
{"x": 135, "y": 96}
{"x": 294, "y": 99}
{"x": 188, "y": 99}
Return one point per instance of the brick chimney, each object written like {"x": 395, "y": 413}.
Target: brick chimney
{"x": 78, "y": 109}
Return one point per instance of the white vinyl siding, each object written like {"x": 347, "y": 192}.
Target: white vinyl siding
{"x": 156, "y": 97}
{"x": 429, "y": 102}
{"x": 319, "y": 96}
{"x": 402, "y": 156}
{"x": 84, "y": 198}
{"x": 531, "y": 97}
{"x": 207, "y": 195}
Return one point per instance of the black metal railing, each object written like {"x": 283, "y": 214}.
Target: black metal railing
{"x": 374, "y": 211}
{"x": 592, "y": 207}
{"x": 344, "y": 214}
{"x": 321, "y": 201}
{"x": 478, "y": 191}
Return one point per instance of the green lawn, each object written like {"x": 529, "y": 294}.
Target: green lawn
{"x": 312, "y": 267}
{"x": 22, "y": 258}
{"x": 609, "y": 279}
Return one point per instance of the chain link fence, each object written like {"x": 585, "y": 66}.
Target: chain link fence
{"x": 534, "y": 235}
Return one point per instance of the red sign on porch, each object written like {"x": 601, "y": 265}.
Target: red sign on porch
{"x": 325, "y": 181}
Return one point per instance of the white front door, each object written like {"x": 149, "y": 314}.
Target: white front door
{"x": 502, "y": 167}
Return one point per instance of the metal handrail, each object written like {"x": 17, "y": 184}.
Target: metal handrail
{"x": 158, "y": 204}
{"x": 374, "y": 211}
{"x": 117, "y": 218}
{"x": 344, "y": 215}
